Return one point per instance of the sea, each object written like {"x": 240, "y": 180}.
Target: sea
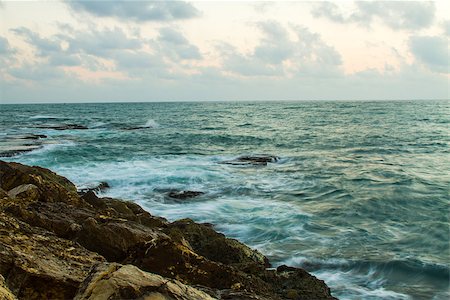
{"x": 359, "y": 196}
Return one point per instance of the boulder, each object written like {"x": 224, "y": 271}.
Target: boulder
{"x": 115, "y": 281}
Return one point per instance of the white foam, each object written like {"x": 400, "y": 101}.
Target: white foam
{"x": 151, "y": 124}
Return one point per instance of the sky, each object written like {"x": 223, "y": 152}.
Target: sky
{"x": 107, "y": 51}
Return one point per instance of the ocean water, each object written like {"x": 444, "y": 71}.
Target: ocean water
{"x": 359, "y": 197}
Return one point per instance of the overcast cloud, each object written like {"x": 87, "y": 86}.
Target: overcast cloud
{"x": 166, "y": 50}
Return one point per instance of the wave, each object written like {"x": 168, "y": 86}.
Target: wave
{"x": 151, "y": 124}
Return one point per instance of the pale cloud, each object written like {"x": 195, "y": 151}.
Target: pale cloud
{"x": 408, "y": 15}
{"x": 174, "y": 44}
{"x": 139, "y": 11}
{"x": 278, "y": 54}
{"x": 432, "y": 51}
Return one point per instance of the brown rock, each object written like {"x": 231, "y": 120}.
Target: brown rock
{"x": 114, "y": 281}
{"x": 38, "y": 265}
{"x": 23, "y": 191}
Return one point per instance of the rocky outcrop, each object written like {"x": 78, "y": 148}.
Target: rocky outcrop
{"x": 57, "y": 244}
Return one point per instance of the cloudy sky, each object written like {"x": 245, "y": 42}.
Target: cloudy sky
{"x": 97, "y": 51}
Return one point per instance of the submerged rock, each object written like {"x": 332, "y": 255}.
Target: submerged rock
{"x": 256, "y": 160}
{"x": 55, "y": 244}
{"x": 64, "y": 127}
{"x": 181, "y": 195}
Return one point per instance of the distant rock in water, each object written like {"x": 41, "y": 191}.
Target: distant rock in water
{"x": 55, "y": 244}
{"x": 255, "y": 160}
{"x": 63, "y": 127}
{"x": 12, "y": 145}
{"x": 181, "y": 195}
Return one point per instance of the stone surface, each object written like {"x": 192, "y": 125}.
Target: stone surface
{"x": 114, "y": 281}
{"x": 99, "y": 187}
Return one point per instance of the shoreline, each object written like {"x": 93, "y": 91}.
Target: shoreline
{"x": 58, "y": 244}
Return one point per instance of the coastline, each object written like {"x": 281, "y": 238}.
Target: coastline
{"x": 58, "y": 244}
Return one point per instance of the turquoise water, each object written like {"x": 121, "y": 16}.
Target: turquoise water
{"x": 359, "y": 197}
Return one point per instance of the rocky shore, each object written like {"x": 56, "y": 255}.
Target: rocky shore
{"x": 57, "y": 244}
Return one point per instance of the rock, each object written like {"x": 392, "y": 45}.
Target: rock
{"x": 100, "y": 187}
{"x": 63, "y": 127}
{"x": 257, "y": 160}
{"x": 205, "y": 241}
{"x": 182, "y": 195}
{"x": 115, "y": 281}
{"x": 5, "y": 293}
{"x": 3, "y": 193}
{"x": 49, "y": 240}
{"x": 38, "y": 265}
{"x": 24, "y": 190}
{"x": 31, "y": 137}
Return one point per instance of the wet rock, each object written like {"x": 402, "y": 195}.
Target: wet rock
{"x": 98, "y": 187}
{"x": 31, "y": 137}
{"x": 256, "y": 160}
{"x": 115, "y": 281}
{"x": 182, "y": 195}
{"x": 19, "y": 149}
{"x": 63, "y": 127}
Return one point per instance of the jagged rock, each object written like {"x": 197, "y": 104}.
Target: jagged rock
{"x": 182, "y": 195}
{"x": 114, "y": 281}
{"x": 256, "y": 160}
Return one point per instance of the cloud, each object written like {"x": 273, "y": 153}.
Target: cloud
{"x": 432, "y": 51}
{"x": 43, "y": 45}
{"x": 139, "y": 11}
{"x": 174, "y": 44}
{"x": 101, "y": 42}
{"x": 5, "y": 48}
{"x": 446, "y": 27}
{"x": 408, "y": 15}
{"x": 278, "y": 54}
